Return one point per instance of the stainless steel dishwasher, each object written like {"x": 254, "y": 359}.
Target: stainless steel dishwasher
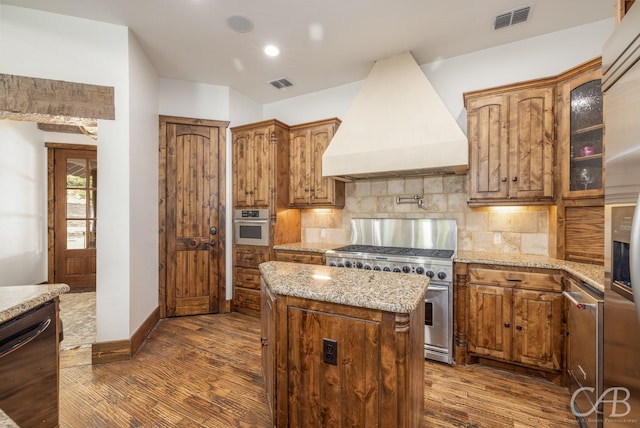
{"x": 584, "y": 362}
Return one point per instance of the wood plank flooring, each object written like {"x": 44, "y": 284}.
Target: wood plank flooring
{"x": 205, "y": 371}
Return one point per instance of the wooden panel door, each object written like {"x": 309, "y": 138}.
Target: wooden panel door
{"x": 537, "y": 332}
{"x": 531, "y": 144}
{"x": 75, "y": 187}
{"x": 490, "y": 321}
{"x": 300, "y": 167}
{"x": 488, "y": 133}
{"x": 268, "y": 341}
{"x": 194, "y": 226}
{"x": 323, "y": 188}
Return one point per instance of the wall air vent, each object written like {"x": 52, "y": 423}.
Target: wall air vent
{"x": 281, "y": 83}
{"x": 512, "y": 17}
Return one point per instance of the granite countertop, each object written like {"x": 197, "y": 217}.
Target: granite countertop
{"x": 6, "y": 421}
{"x": 15, "y": 300}
{"x": 589, "y": 273}
{"x": 385, "y": 291}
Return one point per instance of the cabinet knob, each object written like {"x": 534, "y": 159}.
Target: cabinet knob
{"x": 518, "y": 327}
{"x": 514, "y": 179}
{"x": 507, "y": 325}
{"x": 504, "y": 179}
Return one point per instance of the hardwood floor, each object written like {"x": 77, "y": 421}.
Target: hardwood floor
{"x": 205, "y": 371}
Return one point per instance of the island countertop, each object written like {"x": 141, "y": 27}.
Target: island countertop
{"x": 385, "y": 291}
{"x": 16, "y": 300}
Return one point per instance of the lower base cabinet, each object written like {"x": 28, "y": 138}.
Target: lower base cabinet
{"x": 516, "y": 317}
{"x": 376, "y": 378}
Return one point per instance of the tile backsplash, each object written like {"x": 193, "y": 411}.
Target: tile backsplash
{"x": 519, "y": 230}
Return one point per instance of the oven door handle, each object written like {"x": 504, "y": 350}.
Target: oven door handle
{"x": 634, "y": 257}
{"x": 434, "y": 287}
{"x": 247, "y": 220}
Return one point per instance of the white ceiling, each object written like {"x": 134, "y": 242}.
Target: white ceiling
{"x": 322, "y": 43}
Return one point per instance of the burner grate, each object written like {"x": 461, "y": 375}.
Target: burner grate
{"x": 397, "y": 251}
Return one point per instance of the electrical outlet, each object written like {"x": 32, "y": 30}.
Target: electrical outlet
{"x": 330, "y": 351}
{"x": 323, "y": 233}
{"x": 497, "y": 237}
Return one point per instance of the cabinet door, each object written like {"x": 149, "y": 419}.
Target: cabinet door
{"x": 242, "y": 169}
{"x": 531, "y": 144}
{"x": 537, "y": 332}
{"x": 262, "y": 167}
{"x": 299, "y": 167}
{"x": 490, "y": 321}
{"x": 580, "y": 134}
{"x": 488, "y": 133}
{"x": 268, "y": 339}
{"x": 323, "y": 189}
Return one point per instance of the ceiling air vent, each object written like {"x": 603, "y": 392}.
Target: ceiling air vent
{"x": 281, "y": 83}
{"x": 515, "y": 16}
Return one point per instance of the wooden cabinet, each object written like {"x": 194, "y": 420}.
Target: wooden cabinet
{"x": 377, "y": 375}
{"x": 516, "y": 316}
{"x": 307, "y": 257}
{"x": 511, "y": 136}
{"x": 580, "y": 206}
{"x": 269, "y": 343}
{"x": 261, "y": 165}
{"x": 246, "y": 277}
{"x": 307, "y": 186}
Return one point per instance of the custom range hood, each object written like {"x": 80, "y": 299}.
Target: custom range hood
{"x": 397, "y": 126}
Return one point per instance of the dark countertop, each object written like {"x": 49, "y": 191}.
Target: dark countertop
{"x": 385, "y": 291}
{"x": 15, "y": 300}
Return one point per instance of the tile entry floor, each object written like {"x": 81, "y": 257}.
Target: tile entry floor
{"x": 78, "y": 315}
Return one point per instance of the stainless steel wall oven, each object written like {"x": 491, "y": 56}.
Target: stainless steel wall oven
{"x": 251, "y": 227}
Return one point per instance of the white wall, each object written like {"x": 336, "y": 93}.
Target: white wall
{"x": 51, "y": 46}
{"x": 23, "y": 211}
{"x": 143, "y": 185}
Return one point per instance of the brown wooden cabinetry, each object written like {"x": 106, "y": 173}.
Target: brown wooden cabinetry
{"x": 269, "y": 343}
{"x": 307, "y": 257}
{"x": 246, "y": 277}
{"x": 261, "y": 165}
{"x": 516, "y": 316}
{"x": 307, "y": 186}
{"x": 580, "y": 205}
{"x": 511, "y": 144}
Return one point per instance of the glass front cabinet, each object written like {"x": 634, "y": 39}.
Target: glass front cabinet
{"x": 581, "y": 134}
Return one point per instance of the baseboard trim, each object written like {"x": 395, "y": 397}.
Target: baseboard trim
{"x": 119, "y": 350}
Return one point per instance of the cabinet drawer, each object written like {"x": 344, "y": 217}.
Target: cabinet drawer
{"x": 250, "y": 257}
{"x": 247, "y": 278}
{"x": 246, "y": 301}
{"x": 551, "y": 281}
{"x": 299, "y": 257}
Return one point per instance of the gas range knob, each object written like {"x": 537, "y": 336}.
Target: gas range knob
{"x": 430, "y": 274}
{"x": 442, "y": 275}
{"x": 406, "y": 269}
{"x": 386, "y": 269}
{"x": 332, "y": 264}
{"x": 359, "y": 265}
{"x": 340, "y": 264}
{"x": 348, "y": 264}
{"x": 420, "y": 270}
{"x": 396, "y": 269}
{"x": 367, "y": 267}
{"x": 376, "y": 268}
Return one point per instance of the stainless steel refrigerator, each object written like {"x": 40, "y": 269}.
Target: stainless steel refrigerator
{"x": 621, "y": 83}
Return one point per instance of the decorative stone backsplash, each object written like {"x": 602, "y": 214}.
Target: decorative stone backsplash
{"x": 519, "y": 230}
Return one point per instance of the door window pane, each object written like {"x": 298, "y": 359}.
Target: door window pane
{"x": 93, "y": 173}
{"x": 76, "y": 172}
{"x": 91, "y": 241}
{"x": 76, "y": 203}
{"x": 76, "y": 230}
{"x": 92, "y": 204}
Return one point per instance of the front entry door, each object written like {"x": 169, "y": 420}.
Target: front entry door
{"x": 74, "y": 210}
{"x": 192, "y": 259}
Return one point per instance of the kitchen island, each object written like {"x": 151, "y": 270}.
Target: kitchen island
{"x": 341, "y": 346}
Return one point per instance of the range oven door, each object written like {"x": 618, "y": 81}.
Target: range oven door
{"x": 438, "y": 327}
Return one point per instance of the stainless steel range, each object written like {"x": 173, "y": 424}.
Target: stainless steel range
{"x": 414, "y": 247}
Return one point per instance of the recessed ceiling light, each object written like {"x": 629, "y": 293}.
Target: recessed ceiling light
{"x": 271, "y": 50}
{"x": 239, "y": 23}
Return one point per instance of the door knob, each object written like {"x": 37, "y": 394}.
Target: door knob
{"x": 213, "y": 230}
{"x": 213, "y": 243}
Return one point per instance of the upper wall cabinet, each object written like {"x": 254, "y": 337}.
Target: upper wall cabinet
{"x": 581, "y": 132}
{"x": 260, "y": 164}
{"x": 511, "y": 145}
{"x": 307, "y": 187}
